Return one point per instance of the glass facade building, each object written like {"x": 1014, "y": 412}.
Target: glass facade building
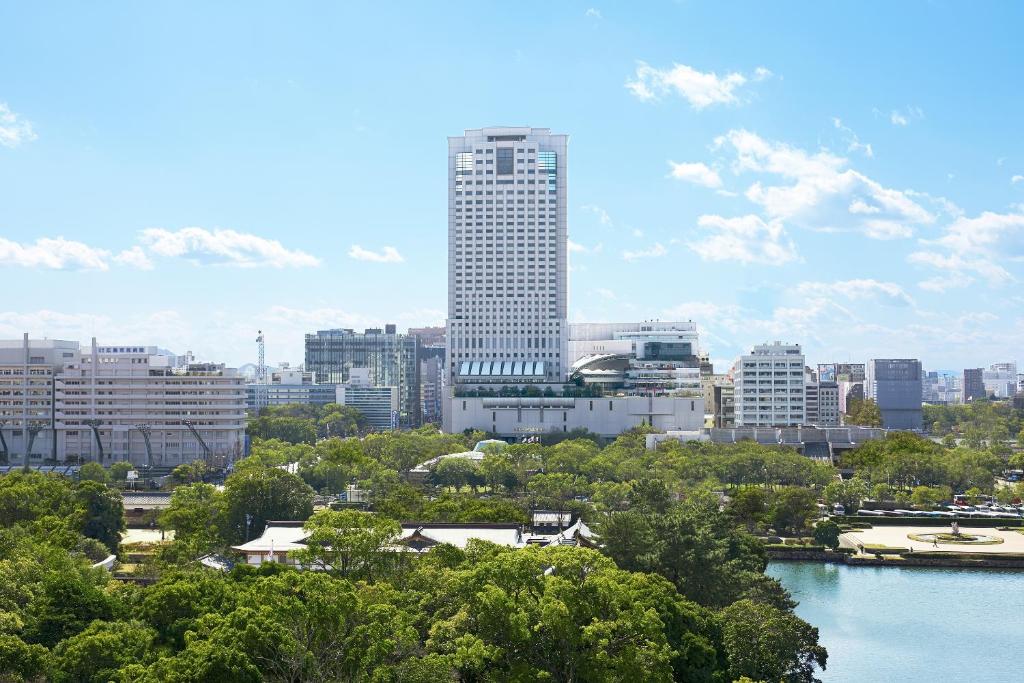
{"x": 391, "y": 359}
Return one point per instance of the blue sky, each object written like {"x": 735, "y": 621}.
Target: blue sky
{"x": 847, "y": 177}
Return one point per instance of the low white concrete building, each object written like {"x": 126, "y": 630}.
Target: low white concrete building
{"x": 608, "y": 416}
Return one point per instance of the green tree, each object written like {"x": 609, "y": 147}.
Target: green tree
{"x": 102, "y": 513}
{"x": 20, "y": 661}
{"x": 93, "y": 471}
{"x": 290, "y": 429}
{"x": 930, "y": 496}
{"x": 826, "y": 533}
{"x": 65, "y": 605}
{"x": 196, "y": 514}
{"x": 190, "y": 472}
{"x": 456, "y": 473}
{"x": 254, "y": 496}
{"x": 847, "y": 492}
{"x": 768, "y": 644}
{"x": 749, "y": 506}
{"x": 351, "y": 543}
{"x": 96, "y": 654}
{"x": 792, "y": 508}
{"x": 863, "y": 412}
{"x": 119, "y": 470}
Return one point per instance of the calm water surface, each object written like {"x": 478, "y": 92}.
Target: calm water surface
{"x": 889, "y": 624}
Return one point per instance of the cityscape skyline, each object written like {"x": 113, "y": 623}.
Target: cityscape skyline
{"x": 730, "y": 182}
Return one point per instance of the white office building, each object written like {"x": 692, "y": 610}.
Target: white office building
{"x": 379, "y": 405}
{"x": 770, "y": 386}
{"x": 507, "y": 256}
{"x": 109, "y": 401}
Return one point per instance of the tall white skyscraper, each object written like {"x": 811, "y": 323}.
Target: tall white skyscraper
{"x": 507, "y": 256}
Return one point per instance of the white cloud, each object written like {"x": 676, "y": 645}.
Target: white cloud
{"x": 55, "y": 253}
{"x": 134, "y": 257}
{"x": 575, "y": 247}
{"x": 957, "y": 268}
{"x": 905, "y": 116}
{"x": 888, "y": 293}
{"x": 602, "y": 216}
{"x": 698, "y": 88}
{"x": 1016, "y": 179}
{"x": 853, "y": 142}
{"x": 943, "y": 283}
{"x": 697, "y": 173}
{"x": 593, "y": 13}
{"x": 747, "y": 239}
{"x": 224, "y": 247}
{"x": 605, "y": 293}
{"x": 817, "y": 191}
{"x": 990, "y": 234}
{"x": 14, "y": 129}
{"x": 972, "y": 247}
{"x": 385, "y": 255}
{"x": 653, "y": 252}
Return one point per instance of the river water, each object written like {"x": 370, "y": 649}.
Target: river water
{"x": 895, "y": 624}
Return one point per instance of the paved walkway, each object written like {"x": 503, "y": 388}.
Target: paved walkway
{"x": 896, "y": 536}
{"x": 151, "y": 536}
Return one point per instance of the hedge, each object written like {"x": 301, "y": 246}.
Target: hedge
{"x": 794, "y": 548}
{"x": 884, "y": 550}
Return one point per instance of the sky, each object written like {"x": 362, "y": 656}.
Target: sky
{"x": 849, "y": 177}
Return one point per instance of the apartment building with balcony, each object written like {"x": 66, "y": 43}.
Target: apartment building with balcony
{"x": 106, "y": 402}
{"x": 770, "y": 388}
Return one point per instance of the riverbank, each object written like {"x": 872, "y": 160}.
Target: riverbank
{"x": 915, "y": 546}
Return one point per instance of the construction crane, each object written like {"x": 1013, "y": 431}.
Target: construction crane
{"x": 207, "y": 453}
{"x": 94, "y": 426}
{"x": 145, "y": 430}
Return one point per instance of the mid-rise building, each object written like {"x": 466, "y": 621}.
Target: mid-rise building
{"x": 828, "y": 405}
{"x": 940, "y": 388}
{"x": 379, "y": 405}
{"x": 288, "y": 385}
{"x": 723, "y": 405}
{"x": 973, "y": 384}
{"x": 811, "y": 402}
{"x": 433, "y": 353}
{"x": 391, "y": 360}
{"x": 894, "y": 384}
{"x": 116, "y": 403}
{"x": 1001, "y": 380}
{"x": 650, "y": 358}
{"x": 770, "y": 387}
{"x": 507, "y": 255}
